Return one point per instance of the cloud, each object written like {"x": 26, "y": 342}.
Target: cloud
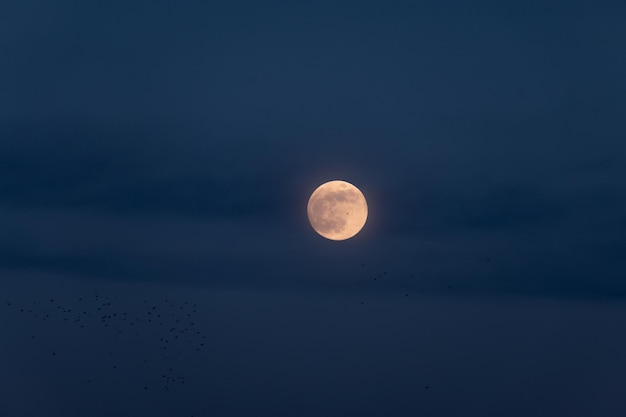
{"x": 129, "y": 169}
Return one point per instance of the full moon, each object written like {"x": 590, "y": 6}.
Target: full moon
{"x": 337, "y": 210}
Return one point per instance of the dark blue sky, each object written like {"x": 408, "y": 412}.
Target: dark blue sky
{"x": 150, "y": 148}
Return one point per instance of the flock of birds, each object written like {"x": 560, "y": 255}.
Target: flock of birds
{"x": 171, "y": 326}
{"x": 383, "y": 275}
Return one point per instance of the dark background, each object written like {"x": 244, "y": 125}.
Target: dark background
{"x": 154, "y": 150}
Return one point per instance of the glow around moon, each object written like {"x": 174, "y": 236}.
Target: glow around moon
{"x": 337, "y": 210}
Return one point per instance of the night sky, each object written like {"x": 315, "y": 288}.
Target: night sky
{"x": 156, "y": 159}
